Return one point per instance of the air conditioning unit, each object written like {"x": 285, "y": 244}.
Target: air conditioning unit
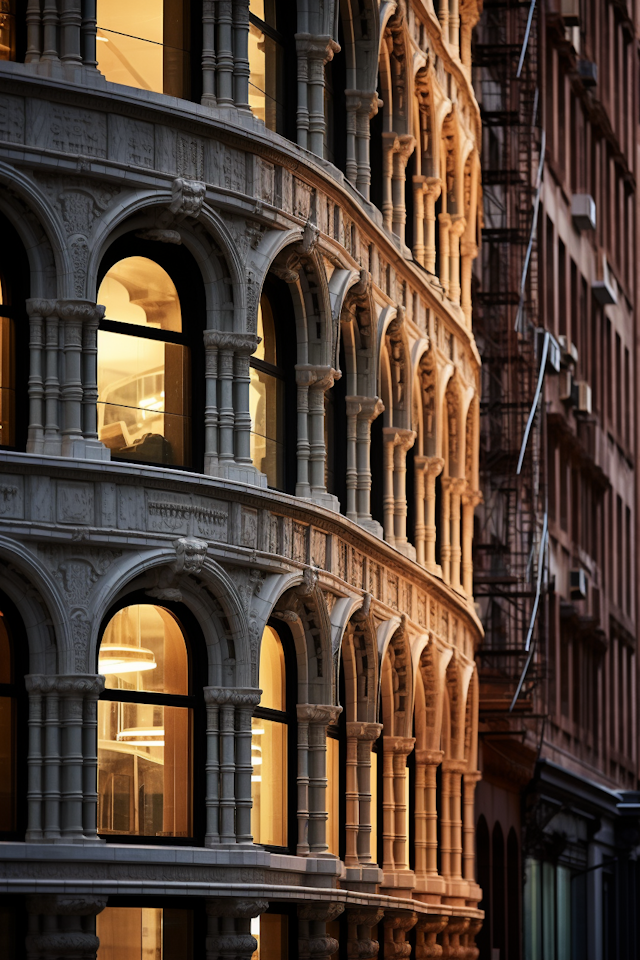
{"x": 553, "y": 350}
{"x": 565, "y": 384}
{"x": 583, "y": 211}
{"x": 603, "y": 288}
{"x": 578, "y": 584}
{"x": 570, "y": 12}
{"x": 568, "y": 350}
{"x": 581, "y": 396}
{"x": 588, "y": 72}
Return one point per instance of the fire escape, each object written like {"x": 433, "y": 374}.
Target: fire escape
{"x": 510, "y": 538}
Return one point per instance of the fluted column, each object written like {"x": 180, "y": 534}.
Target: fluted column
{"x": 395, "y": 840}
{"x": 390, "y": 143}
{"x": 457, "y": 487}
{"x": 70, "y": 22}
{"x": 458, "y": 226}
{"x": 34, "y": 31}
{"x": 360, "y": 737}
{"x": 432, "y": 472}
{"x": 445, "y": 530}
{"x": 62, "y": 798}
{"x": 313, "y": 720}
{"x": 468, "y": 253}
{"x": 313, "y": 382}
{"x": 370, "y": 408}
{"x": 229, "y": 927}
{"x": 470, "y": 500}
{"x": 63, "y": 926}
{"x": 406, "y": 146}
{"x": 241, "y": 70}
{"x": 426, "y": 821}
{"x": 227, "y": 417}
{"x": 432, "y": 189}
{"x": 37, "y": 310}
{"x": 228, "y": 764}
{"x": 445, "y": 225}
{"x": 313, "y": 54}
{"x": 420, "y": 464}
{"x": 469, "y": 780}
{"x": 209, "y": 62}
{"x": 396, "y": 443}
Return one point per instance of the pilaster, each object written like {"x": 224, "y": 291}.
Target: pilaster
{"x": 313, "y": 720}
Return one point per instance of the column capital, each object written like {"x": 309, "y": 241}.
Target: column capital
{"x": 236, "y": 696}
{"x": 71, "y": 685}
{"x": 320, "y": 713}
{"x": 316, "y": 377}
{"x": 320, "y": 911}
{"x": 236, "y": 907}
{"x": 363, "y": 730}
{"x": 316, "y": 47}
{"x": 37, "y": 307}
{"x": 80, "y": 311}
{"x": 363, "y": 101}
{"x": 66, "y": 904}
{"x": 458, "y": 226}
{"x": 445, "y": 219}
{"x": 399, "y": 437}
{"x": 472, "y": 776}
{"x": 432, "y": 758}
{"x": 472, "y": 497}
{"x": 240, "y": 343}
{"x": 468, "y": 248}
{"x": 401, "y": 745}
{"x": 454, "y": 766}
{"x": 431, "y": 466}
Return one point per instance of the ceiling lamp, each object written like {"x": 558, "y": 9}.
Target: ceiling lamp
{"x": 121, "y": 658}
{"x": 142, "y": 737}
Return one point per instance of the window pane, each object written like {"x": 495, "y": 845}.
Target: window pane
{"x": 144, "y": 769}
{"x": 7, "y": 383}
{"x": 266, "y": 349}
{"x": 142, "y": 385}
{"x": 265, "y": 69}
{"x": 266, "y": 404}
{"x": 142, "y": 44}
{"x": 8, "y": 30}
{"x": 333, "y": 796}
{"x": 374, "y": 806}
{"x": 138, "y": 290}
{"x": 272, "y": 671}
{"x": 269, "y": 782}
{"x": 143, "y": 649}
{"x": 271, "y": 930}
{"x": 7, "y": 764}
{"x": 144, "y": 933}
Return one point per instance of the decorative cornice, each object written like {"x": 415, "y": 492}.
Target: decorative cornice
{"x": 71, "y": 685}
{"x": 320, "y": 713}
{"x": 238, "y": 697}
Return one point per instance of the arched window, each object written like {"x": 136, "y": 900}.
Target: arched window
{"x": 145, "y": 358}
{"x": 145, "y": 44}
{"x": 270, "y": 747}
{"x": 11, "y": 699}
{"x": 14, "y": 337}
{"x": 145, "y": 726}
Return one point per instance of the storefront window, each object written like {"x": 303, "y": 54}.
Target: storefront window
{"x": 333, "y": 794}
{"x": 145, "y": 726}
{"x": 266, "y": 55}
{"x": 8, "y": 705}
{"x": 7, "y": 373}
{"x": 269, "y": 742}
{"x": 267, "y": 401}
{"x": 144, "y": 933}
{"x": 145, "y": 44}
{"x": 143, "y": 366}
{"x": 271, "y": 930}
{"x": 7, "y": 30}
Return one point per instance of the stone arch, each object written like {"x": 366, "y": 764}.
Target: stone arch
{"x": 427, "y": 387}
{"x": 453, "y": 437}
{"x": 471, "y": 723}
{"x": 455, "y": 712}
{"x": 396, "y": 685}
{"x": 304, "y": 608}
{"x": 359, "y": 660}
{"x": 395, "y": 369}
{"x": 395, "y": 72}
{"x": 471, "y": 442}
{"x": 203, "y": 586}
{"x": 305, "y": 274}
{"x": 357, "y": 333}
{"x": 429, "y": 711}
{"x": 450, "y": 165}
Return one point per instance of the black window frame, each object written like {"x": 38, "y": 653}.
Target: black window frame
{"x": 15, "y": 288}
{"x": 196, "y": 905}
{"x": 189, "y": 283}
{"x": 194, "y": 700}
{"x": 16, "y": 689}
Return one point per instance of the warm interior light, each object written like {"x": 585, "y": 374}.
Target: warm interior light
{"x": 140, "y": 736}
{"x": 120, "y": 658}
{"x": 103, "y": 39}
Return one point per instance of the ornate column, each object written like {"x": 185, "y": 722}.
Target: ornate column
{"x": 443, "y": 17}
{"x": 241, "y": 71}
{"x": 426, "y": 814}
{"x": 62, "y": 926}
{"x": 445, "y": 823}
{"x": 432, "y": 189}
{"x": 228, "y": 764}
{"x": 360, "y": 924}
{"x": 445, "y": 528}
{"x": 227, "y": 416}
{"x": 469, "y": 780}
{"x": 37, "y": 310}
{"x": 62, "y": 798}
{"x": 450, "y": 937}
{"x": 468, "y": 253}
{"x": 209, "y": 62}
{"x": 406, "y": 146}
{"x": 397, "y": 441}
{"x": 433, "y": 470}
{"x": 419, "y": 464}
{"x": 70, "y": 22}
{"x": 458, "y": 226}
{"x": 396, "y": 926}
{"x": 354, "y": 406}
{"x": 229, "y": 927}
{"x": 457, "y": 487}
{"x": 360, "y": 737}
{"x": 370, "y": 408}
{"x": 313, "y": 54}
{"x": 50, "y": 25}
{"x": 395, "y": 859}
{"x": 418, "y": 218}
{"x": 313, "y": 382}
{"x": 454, "y": 27}
{"x": 313, "y": 720}
{"x": 90, "y": 375}
{"x": 390, "y": 143}
{"x": 469, "y": 15}
{"x": 78, "y": 329}
{"x": 445, "y": 225}
{"x": 211, "y": 457}
{"x": 88, "y": 33}
{"x": 455, "y": 769}
{"x": 33, "y": 31}
{"x": 52, "y": 434}
{"x": 470, "y": 501}
{"x": 427, "y": 930}
{"x": 224, "y": 53}
{"x": 312, "y": 930}
{"x": 245, "y": 346}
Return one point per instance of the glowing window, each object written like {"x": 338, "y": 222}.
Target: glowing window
{"x": 266, "y": 401}
{"x": 333, "y": 795}
{"x": 143, "y": 366}
{"x": 266, "y": 59}
{"x": 7, "y": 30}
{"x": 144, "y": 742}
{"x": 8, "y": 758}
{"x": 271, "y": 931}
{"x": 144, "y": 933}
{"x": 269, "y": 752}
{"x": 144, "y": 44}
{"x": 7, "y": 372}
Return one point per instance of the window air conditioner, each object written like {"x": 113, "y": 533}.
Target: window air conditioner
{"x": 553, "y": 351}
{"x": 578, "y": 584}
{"x": 570, "y": 12}
{"x": 581, "y": 396}
{"x": 564, "y": 385}
{"x": 588, "y": 72}
{"x": 603, "y": 288}
{"x": 583, "y": 211}
{"x": 568, "y": 350}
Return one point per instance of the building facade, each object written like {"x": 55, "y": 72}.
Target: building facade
{"x": 556, "y": 566}
{"x": 240, "y": 426}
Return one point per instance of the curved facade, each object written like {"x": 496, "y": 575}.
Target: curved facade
{"x": 239, "y": 431}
